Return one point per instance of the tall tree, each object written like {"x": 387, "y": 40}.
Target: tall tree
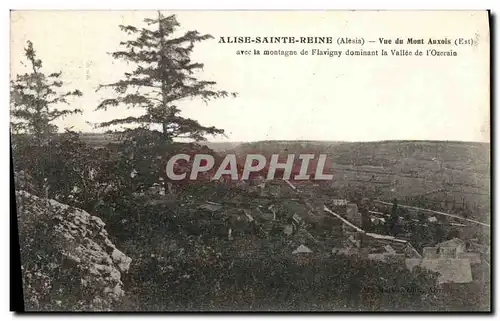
{"x": 35, "y": 102}
{"x": 34, "y": 96}
{"x": 163, "y": 76}
{"x": 393, "y": 222}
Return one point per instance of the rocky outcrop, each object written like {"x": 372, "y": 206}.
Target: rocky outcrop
{"x": 68, "y": 261}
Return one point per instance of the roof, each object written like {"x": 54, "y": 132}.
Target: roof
{"x": 339, "y": 202}
{"x": 302, "y": 249}
{"x": 389, "y": 249}
{"x": 377, "y": 219}
{"x": 385, "y": 237}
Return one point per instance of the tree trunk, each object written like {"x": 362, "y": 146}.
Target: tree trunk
{"x": 167, "y": 185}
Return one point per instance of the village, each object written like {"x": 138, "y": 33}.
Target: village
{"x": 314, "y": 224}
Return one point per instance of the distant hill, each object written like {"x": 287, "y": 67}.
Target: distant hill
{"x": 222, "y": 146}
{"x": 450, "y": 172}
{"x": 412, "y": 155}
{"x": 439, "y": 174}
{"x": 471, "y": 156}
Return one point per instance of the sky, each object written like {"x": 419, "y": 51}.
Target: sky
{"x": 287, "y": 98}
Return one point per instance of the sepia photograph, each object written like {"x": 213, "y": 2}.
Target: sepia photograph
{"x": 251, "y": 161}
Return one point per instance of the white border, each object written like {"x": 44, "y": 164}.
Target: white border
{"x": 186, "y": 5}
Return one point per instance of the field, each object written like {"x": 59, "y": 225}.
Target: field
{"x": 387, "y": 169}
{"x": 449, "y": 174}
{"x": 440, "y": 175}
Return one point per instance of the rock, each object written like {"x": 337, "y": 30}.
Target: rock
{"x": 68, "y": 261}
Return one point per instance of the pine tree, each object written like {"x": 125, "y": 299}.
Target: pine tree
{"x": 164, "y": 75}
{"x": 439, "y": 232}
{"x": 35, "y": 100}
{"x": 33, "y": 97}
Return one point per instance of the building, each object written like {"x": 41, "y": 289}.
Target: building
{"x": 454, "y": 245}
{"x": 390, "y": 245}
{"x": 451, "y": 249}
{"x": 339, "y": 202}
{"x": 352, "y": 214}
{"x": 449, "y": 259}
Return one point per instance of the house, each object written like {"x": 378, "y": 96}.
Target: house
{"x": 390, "y": 245}
{"x": 432, "y": 219}
{"x": 454, "y": 243}
{"x": 449, "y": 259}
{"x": 452, "y": 249}
{"x": 377, "y": 220}
{"x": 339, "y": 202}
{"x": 387, "y": 248}
{"x": 448, "y": 252}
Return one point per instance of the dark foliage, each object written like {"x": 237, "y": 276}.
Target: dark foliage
{"x": 164, "y": 76}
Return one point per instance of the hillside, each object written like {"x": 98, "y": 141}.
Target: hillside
{"x": 214, "y": 246}
{"x": 441, "y": 175}
{"x": 446, "y": 174}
